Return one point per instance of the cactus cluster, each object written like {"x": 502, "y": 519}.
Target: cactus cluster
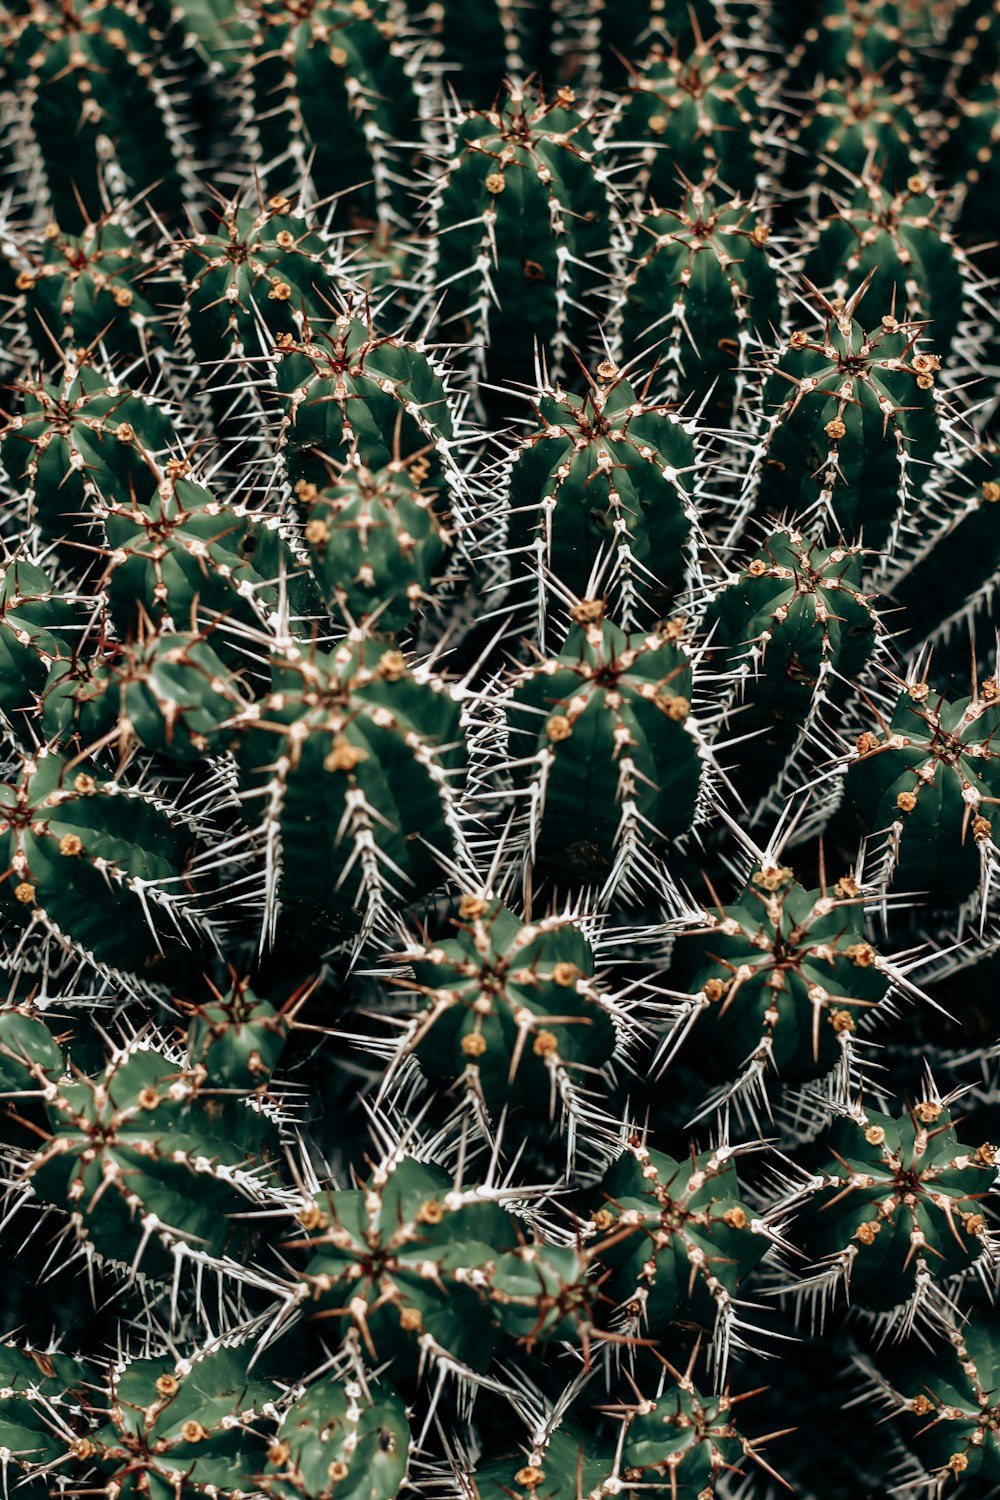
{"x": 499, "y": 749}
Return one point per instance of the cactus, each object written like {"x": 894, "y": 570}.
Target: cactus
{"x": 154, "y": 1167}
{"x": 894, "y": 1212}
{"x": 945, "y": 1405}
{"x": 850, "y": 121}
{"x": 332, "y": 93}
{"x": 237, "y": 1037}
{"x": 378, "y": 743}
{"x": 688, "y": 1441}
{"x": 188, "y": 1428}
{"x": 956, "y": 562}
{"x": 339, "y": 1437}
{"x": 609, "y": 470}
{"x": 855, "y": 427}
{"x": 354, "y": 391}
{"x": 521, "y": 233}
{"x": 171, "y": 693}
{"x": 895, "y": 244}
{"x": 98, "y": 76}
{"x": 38, "y": 624}
{"x": 926, "y": 778}
{"x": 701, "y": 291}
{"x": 184, "y": 560}
{"x": 498, "y": 690}
{"x": 80, "y": 442}
{"x": 415, "y": 1239}
{"x": 677, "y": 1240}
{"x": 376, "y": 541}
{"x": 261, "y": 274}
{"x": 686, "y": 115}
{"x": 93, "y": 862}
{"x": 778, "y": 983}
{"x": 471, "y": 40}
{"x": 512, "y": 1013}
{"x": 97, "y": 290}
{"x": 789, "y": 634}
{"x": 43, "y": 1392}
{"x": 603, "y": 749}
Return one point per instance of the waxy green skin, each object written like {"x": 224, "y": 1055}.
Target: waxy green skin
{"x": 649, "y": 682}
{"x": 206, "y": 1438}
{"x": 38, "y": 624}
{"x": 485, "y": 42}
{"x": 701, "y": 289}
{"x": 945, "y": 1404}
{"x": 391, "y": 739}
{"x": 97, "y": 907}
{"x": 260, "y": 273}
{"x": 686, "y": 115}
{"x": 172, "y": 693}
{"x": 573, "y": 1462}
{"x": 794, "y": 964}
{"x": 868, "y": 381}
{"x": 376, "y": 542}
{"x": 96, "y": 289}
{"x": 604, "y": 471}
{"x": 848, "y": 122}
{"x": 542, "y": 1294}
{"x": 851, "y": 36}
{"x": 166, "y": 1142}
{"x": 185, "y": 560}
{"x": 43, "y": 1392}
{"x": 336, "y": 1423}
{"x": 705, "y": 1256}
{"x": 343, "y": 109}
{"x": 946, "y": 755}
{"x": 543, "y": 971}
{"x": 77, "y": 443}
{"x": 683, "y": 1444}
{"x": 98, "y": 80}
{"x": 237, "y": 1037}
{"x": 791, "y": 630}
{"x": 914, "y": 263}
{"x": 404, "y": 1236}
{"x": 29, "y": 1055}
{"x": 890, "y": 1181}
{"x": 525, "y": 189}
{"x": 354, "y": 391}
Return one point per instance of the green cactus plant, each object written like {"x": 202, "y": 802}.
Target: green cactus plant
{"x": 521, "y": 233}
{"x": 603, "y": 750}
{"x": 353, "y": 746}
{"x": 854, "y": 428}
{"x": 332, "y": 93}
{"x": 92, "y": 73}
{"x": 789, "y": 633}
{"x": 778, "y": 984}
{"x": 377, "y": 541}
{"x": 512, "y": 1013}
{"x": 100, "y": 290}
{"x": 893, "y": 1212}
{"x": 687, "y": 114}
{"x": 392, "y": 1261}
{"x": 701, "y": 292}
{"x": 605, "y": 482}
{"x": 92, "y": 862}
{"x": 926, "y": 778}
{"x": 678, "y": 1240}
